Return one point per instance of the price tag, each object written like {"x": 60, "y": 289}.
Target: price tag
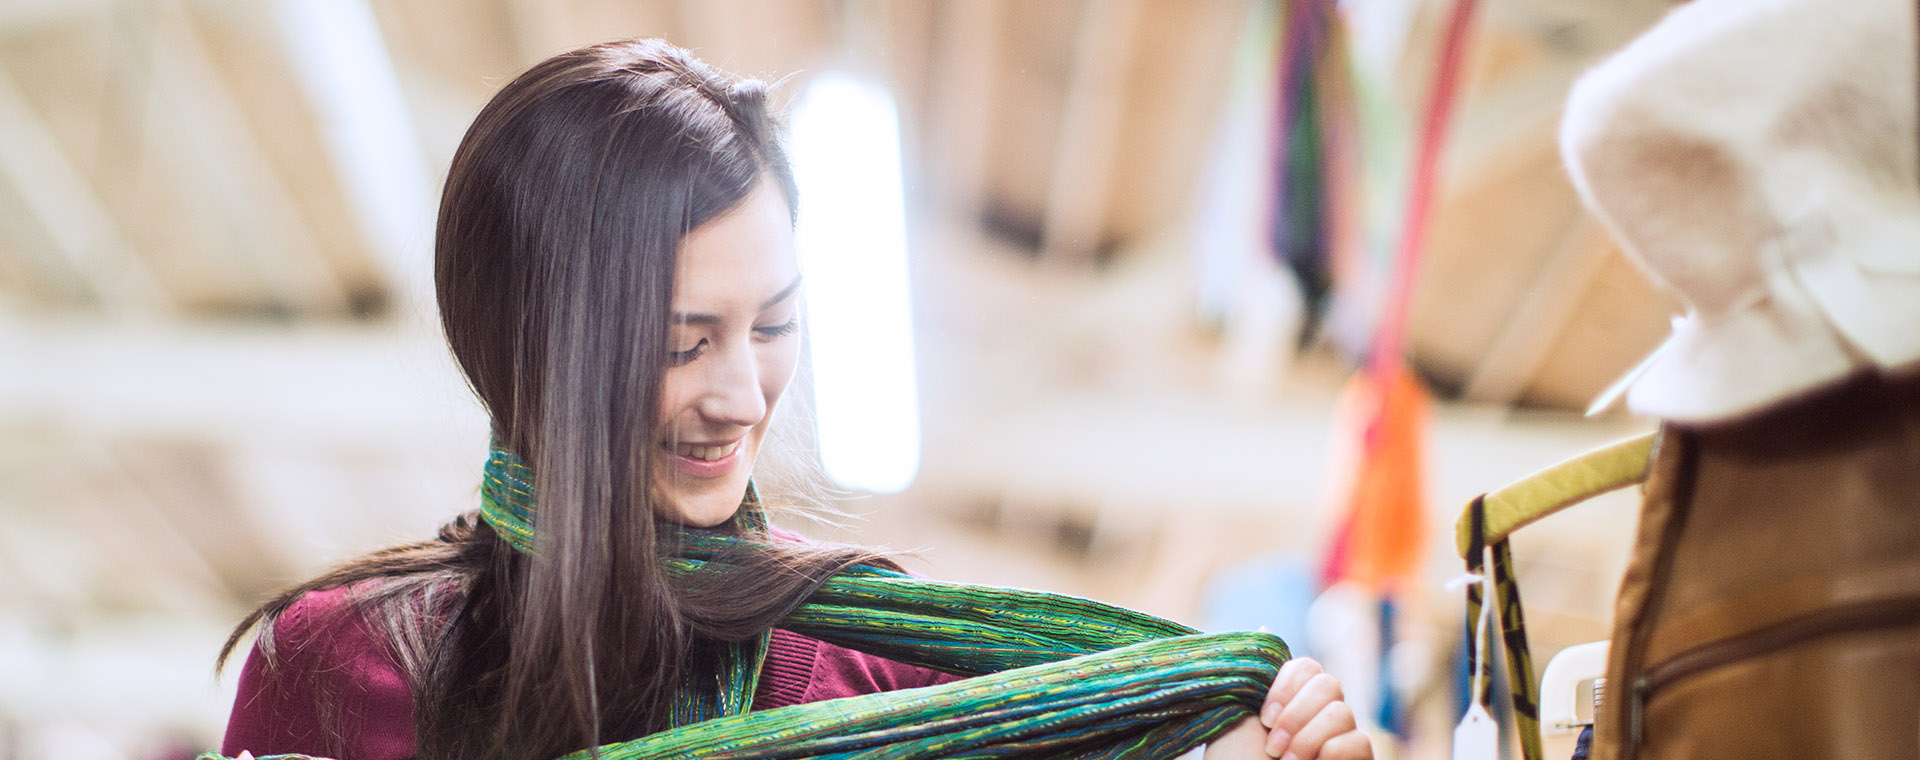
{"x": 1477, "y": 737}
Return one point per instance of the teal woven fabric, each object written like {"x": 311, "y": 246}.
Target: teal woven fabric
{"x": 1053, "y": 675}
{"x": 1156, "y": 699}
{"x": 506, "y": 497}
{"x": 1063, "y": 677}
{"x": 507, "y": 504}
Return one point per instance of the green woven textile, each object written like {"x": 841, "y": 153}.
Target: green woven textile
{"x": 1054, "y": 675}
{"x": 506, "y": 497}
{"x": 1155, "y": 699}
{"x": 1067, "y": 677}
{"x": 507, "y": 504}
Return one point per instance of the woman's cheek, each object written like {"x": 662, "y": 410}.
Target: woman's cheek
{"x": 673, "y": 383}
{"x": 782, "y": 360}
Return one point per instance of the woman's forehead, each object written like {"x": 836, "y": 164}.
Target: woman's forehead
{"x": 740, "y": 260}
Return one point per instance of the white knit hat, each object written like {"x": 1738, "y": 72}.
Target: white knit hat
{"x": 1758, "y": 158}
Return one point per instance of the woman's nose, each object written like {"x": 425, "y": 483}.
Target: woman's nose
{"x": 733, "y": 394}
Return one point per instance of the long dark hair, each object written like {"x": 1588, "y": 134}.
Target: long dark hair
{"x": 559, "y": 228}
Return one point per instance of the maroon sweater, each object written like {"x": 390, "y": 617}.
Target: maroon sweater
{"x": 325, "y": 648}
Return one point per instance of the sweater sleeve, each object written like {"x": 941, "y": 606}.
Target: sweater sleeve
{"x": 337, "y": 691}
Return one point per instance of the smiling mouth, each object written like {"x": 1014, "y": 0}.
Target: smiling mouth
{"x": 705, "y": 453}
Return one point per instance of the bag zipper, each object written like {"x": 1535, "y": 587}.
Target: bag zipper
{"x": 1681, "y": 504}
{"x": 1848, "y": 618}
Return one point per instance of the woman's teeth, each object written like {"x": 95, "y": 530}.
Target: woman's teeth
{"x": 708, "y": 453}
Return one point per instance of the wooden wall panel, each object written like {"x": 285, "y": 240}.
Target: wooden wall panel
{"x": 1488, "y": 242}
{"x": 1620, "y": 318}
{"x": 1175, "y": 92}
{"x": 1030, "y": 89}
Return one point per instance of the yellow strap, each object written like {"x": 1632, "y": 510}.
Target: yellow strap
{"x": 1609, "y": 468}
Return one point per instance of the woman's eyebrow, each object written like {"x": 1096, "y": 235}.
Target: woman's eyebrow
{"x": 681, "y": 318}
{"x": 784, "y": 294}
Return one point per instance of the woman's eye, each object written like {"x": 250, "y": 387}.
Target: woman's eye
{"x": 778, "y": 330}
{"x": 678, "y": 358}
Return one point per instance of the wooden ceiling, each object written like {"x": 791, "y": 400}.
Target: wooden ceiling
{"x": 170, "y": 158}
{"x": 177, "y": 160}
{"x": 195, "y": 271}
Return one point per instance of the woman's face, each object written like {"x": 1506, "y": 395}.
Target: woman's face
{"x": 735, "y": 342}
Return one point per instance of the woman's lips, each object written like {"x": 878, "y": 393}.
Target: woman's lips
{"x": 693, "y": 459}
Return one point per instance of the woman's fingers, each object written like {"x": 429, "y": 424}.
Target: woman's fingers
{"x": 1307, "y": 717}
{"x": 1335, "y": 719}
{"x": 1353, "y": 745}
{"x": 1309, "y": 700}
{"x": 1293, "y": 675}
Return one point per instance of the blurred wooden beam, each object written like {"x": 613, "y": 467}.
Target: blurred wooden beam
{"x": 247, "y": 385}
{"x": 86, "y": 237}
{"x": 1530, "y": 333}
{"x": 345, "y": 70}
{"x": 1172, "y": 120}
{"x": 306, "y": 444}
{"x": 961, "y": 101}
{"x": 28, "y": 16}
{"x": 540, "y": 28}
{"x": 266, "y": 233}
{"x": 178, "y": 494}
{"x": 1084, "y": 149}
{"x": 711, "y": 29}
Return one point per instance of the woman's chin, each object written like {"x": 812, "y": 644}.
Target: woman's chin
{"x": 707, "y": 521}
{"x": 701, "y": 511}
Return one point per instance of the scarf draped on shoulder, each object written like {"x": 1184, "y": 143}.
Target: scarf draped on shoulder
{"x": 1050, "y": 675}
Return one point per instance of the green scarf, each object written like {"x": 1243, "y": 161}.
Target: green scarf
{"x": 1053, "y": 675}
{"x": 507, "y": 504}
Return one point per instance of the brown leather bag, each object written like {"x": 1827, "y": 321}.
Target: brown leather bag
{"x": 1771, "y": 608}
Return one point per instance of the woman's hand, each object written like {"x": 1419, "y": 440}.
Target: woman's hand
{"x": 1305, "y": 717}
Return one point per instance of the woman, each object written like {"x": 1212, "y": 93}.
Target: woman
{"x": 616, "y": 275}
